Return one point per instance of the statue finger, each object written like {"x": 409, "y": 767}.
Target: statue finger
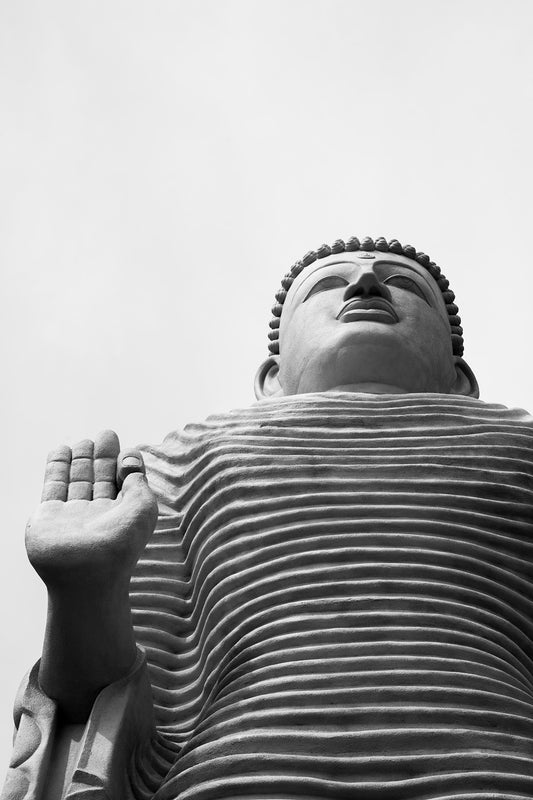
{"x": 81, "y": 471}
{"x": 57, "y": 474}
{"x": 106, "y": 450}
{"x": 129, "y": 460}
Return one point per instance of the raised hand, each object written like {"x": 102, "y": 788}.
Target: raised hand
{"x": 96, "y": 514}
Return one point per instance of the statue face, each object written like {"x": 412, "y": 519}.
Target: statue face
{"x": 365, "y": 320}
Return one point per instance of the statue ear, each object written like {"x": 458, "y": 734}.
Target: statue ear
{"x": 266, "y": 379}
{"x": 465, "y": 380}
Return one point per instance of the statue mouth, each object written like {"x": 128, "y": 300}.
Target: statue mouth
{"x": 372, "y": 309}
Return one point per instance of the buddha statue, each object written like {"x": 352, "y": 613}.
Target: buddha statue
{"x": 325, "y": 595}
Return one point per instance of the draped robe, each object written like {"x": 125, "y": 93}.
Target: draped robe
{"x": 336, "y": 603}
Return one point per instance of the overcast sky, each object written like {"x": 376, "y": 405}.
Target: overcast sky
{"x": 162, "y": 165}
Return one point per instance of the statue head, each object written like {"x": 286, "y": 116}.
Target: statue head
{"x": 370, "y": 316}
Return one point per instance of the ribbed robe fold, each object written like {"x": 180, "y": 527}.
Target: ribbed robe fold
{"x": 337, "y": 601}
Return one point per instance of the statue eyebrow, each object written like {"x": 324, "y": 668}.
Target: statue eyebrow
{"x": 320, "y": 267}
{"x": 399, "y": 265}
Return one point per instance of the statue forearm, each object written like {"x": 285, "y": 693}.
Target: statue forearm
{"x": 91, "y": 691}
{"x": 83, "y": 540}
{"x": 89, "y": 643}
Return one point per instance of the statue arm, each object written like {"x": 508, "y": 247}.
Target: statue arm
{"x": 84, "y": 540}
{"x": 87, "y": 705}
{"x": 88, "y": 644}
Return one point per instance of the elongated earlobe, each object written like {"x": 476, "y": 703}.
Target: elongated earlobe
{"x": 465, "y": 381}
{"x": 266, "y": 379}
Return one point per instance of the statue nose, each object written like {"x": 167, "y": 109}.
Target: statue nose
{"x": 367, "y": 285}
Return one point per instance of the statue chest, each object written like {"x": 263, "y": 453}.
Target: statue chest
{"x": 351, "y": 604}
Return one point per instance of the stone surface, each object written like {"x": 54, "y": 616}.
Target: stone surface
{"x": 352, "y": 579}
{"x": 336, "y": 599}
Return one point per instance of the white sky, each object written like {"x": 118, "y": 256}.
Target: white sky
{"x": 162, "y": 165}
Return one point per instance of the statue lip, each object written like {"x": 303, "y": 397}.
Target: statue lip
{"x": 373, "y": 309}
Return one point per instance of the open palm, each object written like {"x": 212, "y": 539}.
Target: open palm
{"x": 96, "y": 514}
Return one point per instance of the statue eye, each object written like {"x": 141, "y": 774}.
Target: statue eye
{"x": 403, "y": 282}
{"x": 330, "y": 282}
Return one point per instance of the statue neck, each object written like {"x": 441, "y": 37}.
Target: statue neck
{"x": 370, "y": 388}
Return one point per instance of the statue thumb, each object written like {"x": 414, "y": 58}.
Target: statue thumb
{"x": 129, "y": 462}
